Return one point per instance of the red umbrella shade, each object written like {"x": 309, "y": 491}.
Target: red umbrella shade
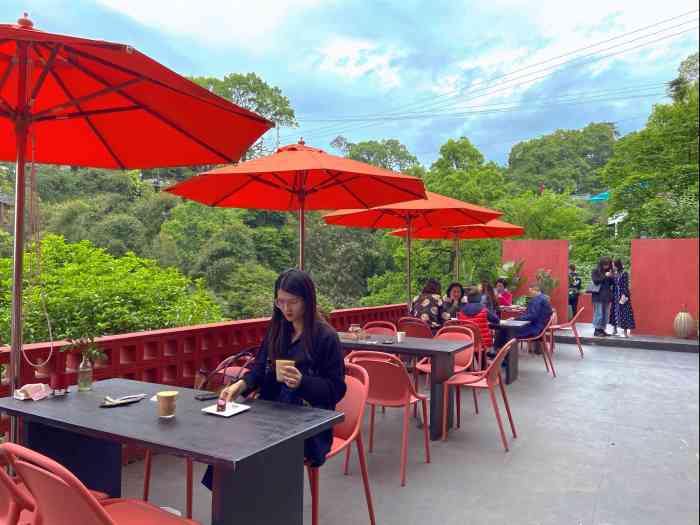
{"x": 300, "y": 177}
{"x": 491, "y": 230}
{"x": 101, "y": 104}
{"x": 435, "y": 211}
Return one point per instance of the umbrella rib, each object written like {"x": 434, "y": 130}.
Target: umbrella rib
{"x": 251, "y": 178}
{"x": 230, "y": 194}
{"x": 85, "y": 98}
{"x": 89, "y": 122}
{"x": 397, "y": 187}
{"x": 89, "y": 56}
{"x": 283, "y": 183}
{"x": 48, "y": 66}
{"x": 88, "y": 113}
{"x": 6, "y": 75}
{"x": 151, "y": 111}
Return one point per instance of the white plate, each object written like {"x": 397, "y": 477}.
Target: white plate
{"x": 231, "y": 409}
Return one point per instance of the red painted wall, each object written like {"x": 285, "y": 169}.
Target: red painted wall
{"x": 664, "y": 275}
{"x": 549, "y": 255}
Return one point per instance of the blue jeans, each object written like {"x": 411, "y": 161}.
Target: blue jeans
{"x": 600, "y": 315}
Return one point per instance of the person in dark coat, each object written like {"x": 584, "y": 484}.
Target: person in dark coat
{"x": 539, "y": 312}
{"x": 621, "y": 312}
{"x": 298, "y": 333}
{"x": 602, "y": 276}
{"x": 574, "y": 289}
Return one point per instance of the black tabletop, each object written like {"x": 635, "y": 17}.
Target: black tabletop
{"x": 410, "y": 345}
{"x": 206, "y": 438}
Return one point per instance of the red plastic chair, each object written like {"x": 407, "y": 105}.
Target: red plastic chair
{"x": 390, "y": 386}
{"x": 16, "y": 504}
{"x": 380, "y": 328}
{"x": 61, "y": 499}
{"x": 571, "y": 325}
{"x": 543, "y": 338}
{"x": 479, "y": 349}
{"x": 353, "y": 406}
{"x": 415, "y": 327}
{"x": 238, "y": 369}
{"x": 487, "y": 379}
{"x": 463, "y": 360}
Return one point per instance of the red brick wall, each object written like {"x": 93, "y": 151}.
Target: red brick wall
{"x": 664, "y": 278}
{"x": 549, "y": 255}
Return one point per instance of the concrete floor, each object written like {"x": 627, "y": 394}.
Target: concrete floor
{"x": 612, "y": 440}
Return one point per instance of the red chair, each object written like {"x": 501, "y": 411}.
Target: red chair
{"x": 487, "y": 379}
{"x": 236, "y": 368}
{"x": 380, "y": 328}
{"x": 353, "y": 406}
{"x": 16, "y": 504}
{"x": 415, "y": 327}
{"x": 479, "y": 349}
{"x": 571, "y": 325}
{"x": 463, "y": 360}
{"x": 543, "y": 338}
{"x": 390, "y": 386}
{"x": 61, "y": 499}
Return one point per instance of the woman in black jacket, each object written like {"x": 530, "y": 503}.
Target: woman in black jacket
{"x": 602, "y": 277}
{"x": 298, "y": 333}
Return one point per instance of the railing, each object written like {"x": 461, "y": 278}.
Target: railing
{"x": 171, "y": 356}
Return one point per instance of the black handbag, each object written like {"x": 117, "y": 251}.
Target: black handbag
{"x": 593, "y": 288}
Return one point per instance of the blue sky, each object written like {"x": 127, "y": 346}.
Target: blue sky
{"x": 497, "y": 72}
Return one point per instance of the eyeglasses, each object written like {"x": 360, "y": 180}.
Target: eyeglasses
{"x": 282, "y": 304}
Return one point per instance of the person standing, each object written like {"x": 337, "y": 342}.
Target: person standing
{"x": 602, "y": 277}
{"x": 622, "y": 301}
{"x": 574, "y": 289}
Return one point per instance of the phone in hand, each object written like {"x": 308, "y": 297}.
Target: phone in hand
{"x": 206, "y": 396}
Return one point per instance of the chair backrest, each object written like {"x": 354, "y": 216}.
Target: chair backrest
{"x": 389, "y": 383}
{"x": 380, "y": 328}
{"x": 415, "y": 327}
{"x": 61, "y": 498}
{"x": 478, "y": 342}
{"x": 574, "y": 319}
{"x": 544, "y": 331}
{"x": 353, "y": 402}
{"x": 459, "y": 333}
{"x": 12, "y": 500}
{"x": 494, "y": 368}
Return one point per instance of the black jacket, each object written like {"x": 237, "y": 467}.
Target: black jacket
{"x": 605, "y": 294}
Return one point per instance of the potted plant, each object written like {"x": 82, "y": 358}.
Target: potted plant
{"x": 546, "y": 281}
{"x": 511, "y": 272}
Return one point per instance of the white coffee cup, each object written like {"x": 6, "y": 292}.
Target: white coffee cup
{"x": 400, "y": 336}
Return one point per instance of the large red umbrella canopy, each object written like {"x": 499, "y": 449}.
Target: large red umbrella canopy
{"x": 491, "y": 230}
{"x": 435, "y": 211}
{"x": 101, "y": 104}
{"x": 68, "y": 100}
{"x": 298, "y": 178}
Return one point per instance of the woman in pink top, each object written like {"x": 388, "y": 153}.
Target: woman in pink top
{"x": 505, "y": 298}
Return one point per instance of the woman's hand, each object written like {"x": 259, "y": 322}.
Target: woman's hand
{"x": 291, "y": 376}
{"x": 231, "y": 392}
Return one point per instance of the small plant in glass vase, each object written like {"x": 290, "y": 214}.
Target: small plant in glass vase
{"x": 90, "y": 353}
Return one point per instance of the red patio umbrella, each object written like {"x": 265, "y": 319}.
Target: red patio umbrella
{"x": 491, "y": 230}
{"x": 299, "y": 178}
{"x": 435, "y": 211}
{"x": 68, "y": 100}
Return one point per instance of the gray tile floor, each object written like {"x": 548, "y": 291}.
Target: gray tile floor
{"x": 612, "y": 441}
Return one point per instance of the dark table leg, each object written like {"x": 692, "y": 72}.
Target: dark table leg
{"x": 267, "y": 488}
{"x": 511, "y": 360}
{"x": 441, "y": 369}
{"x": 95, "y": 462}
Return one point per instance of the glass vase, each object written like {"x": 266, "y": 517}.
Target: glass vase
{"x": 85, "y": 375}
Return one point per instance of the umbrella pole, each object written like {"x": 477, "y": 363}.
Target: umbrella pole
{"x": 408, "y": 263}
{"x": 457, "y": 258}
{"x": 21, "y": 133}
{"x": 302, "y": 231}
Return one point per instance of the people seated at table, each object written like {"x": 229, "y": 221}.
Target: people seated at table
{"x": 489, "y": 299}
{"x": 477, "y": 312}
{"x": 454, "y": 300}
{"x": 505, "y": 298}
{"x": 429, "y": 306}
{"x": 298, "y": 333}
{"x": 538, "y": 312}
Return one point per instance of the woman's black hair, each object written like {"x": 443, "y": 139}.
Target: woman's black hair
{"x": 503, "y": 281}
{"x": 490, "y": 293}
{"x": 619, "y": 267}
{"x": 432, "y": 286}
{"x": 452, "y": 285}
{"x": 602, "y": 262}
{"x": 299, "y": 284}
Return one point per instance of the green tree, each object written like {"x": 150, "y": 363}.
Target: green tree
{"x": 389, "y": 154}
{"x": 688, "y": 71}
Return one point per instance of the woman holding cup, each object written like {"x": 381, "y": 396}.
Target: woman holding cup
{"x": 300, "y": 360}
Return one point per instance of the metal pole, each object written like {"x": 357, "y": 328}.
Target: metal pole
{"x": 21, "y": 133}
{"x": 408, "y": 265}
{"x": 457, "y": 258}
{"x": 302, "y": 231}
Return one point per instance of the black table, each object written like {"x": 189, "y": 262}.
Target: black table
{"x": 510, "y": 326}
{"x": 258, "y": 456}
{"x": 440, "y": 351}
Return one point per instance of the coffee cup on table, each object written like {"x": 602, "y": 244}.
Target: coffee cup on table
{"x": 279, "y": 363}
{"x": 166, "y": 403}
{"x": 400, "y": 336}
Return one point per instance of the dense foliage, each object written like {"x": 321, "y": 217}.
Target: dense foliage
{"x": 131, "y": 258}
